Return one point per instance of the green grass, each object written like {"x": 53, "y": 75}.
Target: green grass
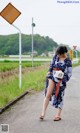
{"x": 9, "y": 87}
{"x": 76, "y": 64}
{"x": 10, "y": 65}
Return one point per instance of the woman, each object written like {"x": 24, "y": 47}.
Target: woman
{"x": 55, "y": 85}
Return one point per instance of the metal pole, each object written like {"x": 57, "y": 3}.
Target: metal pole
{"x": 76, "y": 54}
{"x": 20, "y": 60}
{"x": 32, "y": 44}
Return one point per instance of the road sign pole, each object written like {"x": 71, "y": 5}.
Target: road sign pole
{"x": 10, "y": 14}
{"x": 20, "y": 60}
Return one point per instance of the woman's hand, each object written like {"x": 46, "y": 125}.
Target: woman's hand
{"x": 48, "y": 74}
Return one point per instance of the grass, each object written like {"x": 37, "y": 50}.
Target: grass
{"x": 9, "y": 87}
{"x": 10, "y": 65}
{"x": 76, "y": 64}
{"x": 35, "y": 79}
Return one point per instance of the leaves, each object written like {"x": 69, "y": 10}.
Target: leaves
{"x": 9, "y": 44}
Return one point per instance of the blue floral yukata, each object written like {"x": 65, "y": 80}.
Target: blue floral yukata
{"x": 66, "y": 67}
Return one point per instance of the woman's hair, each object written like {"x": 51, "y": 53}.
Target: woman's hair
{"x": 61, "y": 50}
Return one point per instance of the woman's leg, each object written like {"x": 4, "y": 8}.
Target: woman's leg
{"x": 58, "y": 115}
{"x": 59, "y": 112}
{"x": 47, "y": 98}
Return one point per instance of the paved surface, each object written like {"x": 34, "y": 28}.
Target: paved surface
{"x": 23, "y": 117}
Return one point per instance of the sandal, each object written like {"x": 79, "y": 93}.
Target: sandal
{"x": 41, "y": 117}
{"x": 57, "y": 118}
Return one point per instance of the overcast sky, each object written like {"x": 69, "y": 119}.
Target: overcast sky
{"x": 61, "y": 22}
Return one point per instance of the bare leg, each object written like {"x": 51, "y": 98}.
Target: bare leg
{"x": 59, "y": 112}
{"x": 47, "y": 98}
{"x": 58, "y": 115}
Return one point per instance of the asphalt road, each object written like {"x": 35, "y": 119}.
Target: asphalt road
{"x": 23, "y": 117}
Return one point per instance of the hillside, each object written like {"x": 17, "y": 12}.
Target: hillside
{"x": 9, "y": 44}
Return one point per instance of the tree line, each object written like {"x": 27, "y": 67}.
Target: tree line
{"x": 9, "y": 44}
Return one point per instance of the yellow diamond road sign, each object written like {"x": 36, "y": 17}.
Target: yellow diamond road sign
{"x": 10, "y": 13}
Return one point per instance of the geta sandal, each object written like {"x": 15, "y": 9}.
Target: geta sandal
{"x": 57, "y": 118}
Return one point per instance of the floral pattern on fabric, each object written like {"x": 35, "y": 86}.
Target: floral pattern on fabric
{"x": 66, "y": 67}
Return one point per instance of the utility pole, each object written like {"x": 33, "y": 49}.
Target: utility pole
{"x": 33, "y": 25}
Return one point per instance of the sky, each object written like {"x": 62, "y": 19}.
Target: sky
{"x": 59, "y": 21}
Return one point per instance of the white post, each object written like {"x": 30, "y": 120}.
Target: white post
{"x": 32, "y": 44}
{"x": 76, "y": 53}
{"x": 20, "y": 61}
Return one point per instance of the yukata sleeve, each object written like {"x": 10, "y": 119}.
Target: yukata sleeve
{"x": 68, "y": 73}
{"x": 52, "y": 64}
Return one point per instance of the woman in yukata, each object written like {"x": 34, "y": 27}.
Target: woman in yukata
{"x": 59, "y": 73}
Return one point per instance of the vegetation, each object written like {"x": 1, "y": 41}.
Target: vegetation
{"x": 31, "y": 79}
{"x": 76, "y": 64}
{"x": 10, "y": 65}
{"x": 9, "y": 86}
{"x": 9, "y": 44}
{"x": 74, "y": 53}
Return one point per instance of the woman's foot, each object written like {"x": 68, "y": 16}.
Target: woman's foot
{"x": 57, "y": 118}
{"x": 41, "y": 117}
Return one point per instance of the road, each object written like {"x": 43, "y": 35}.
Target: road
{"x": 23, "y": 117}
